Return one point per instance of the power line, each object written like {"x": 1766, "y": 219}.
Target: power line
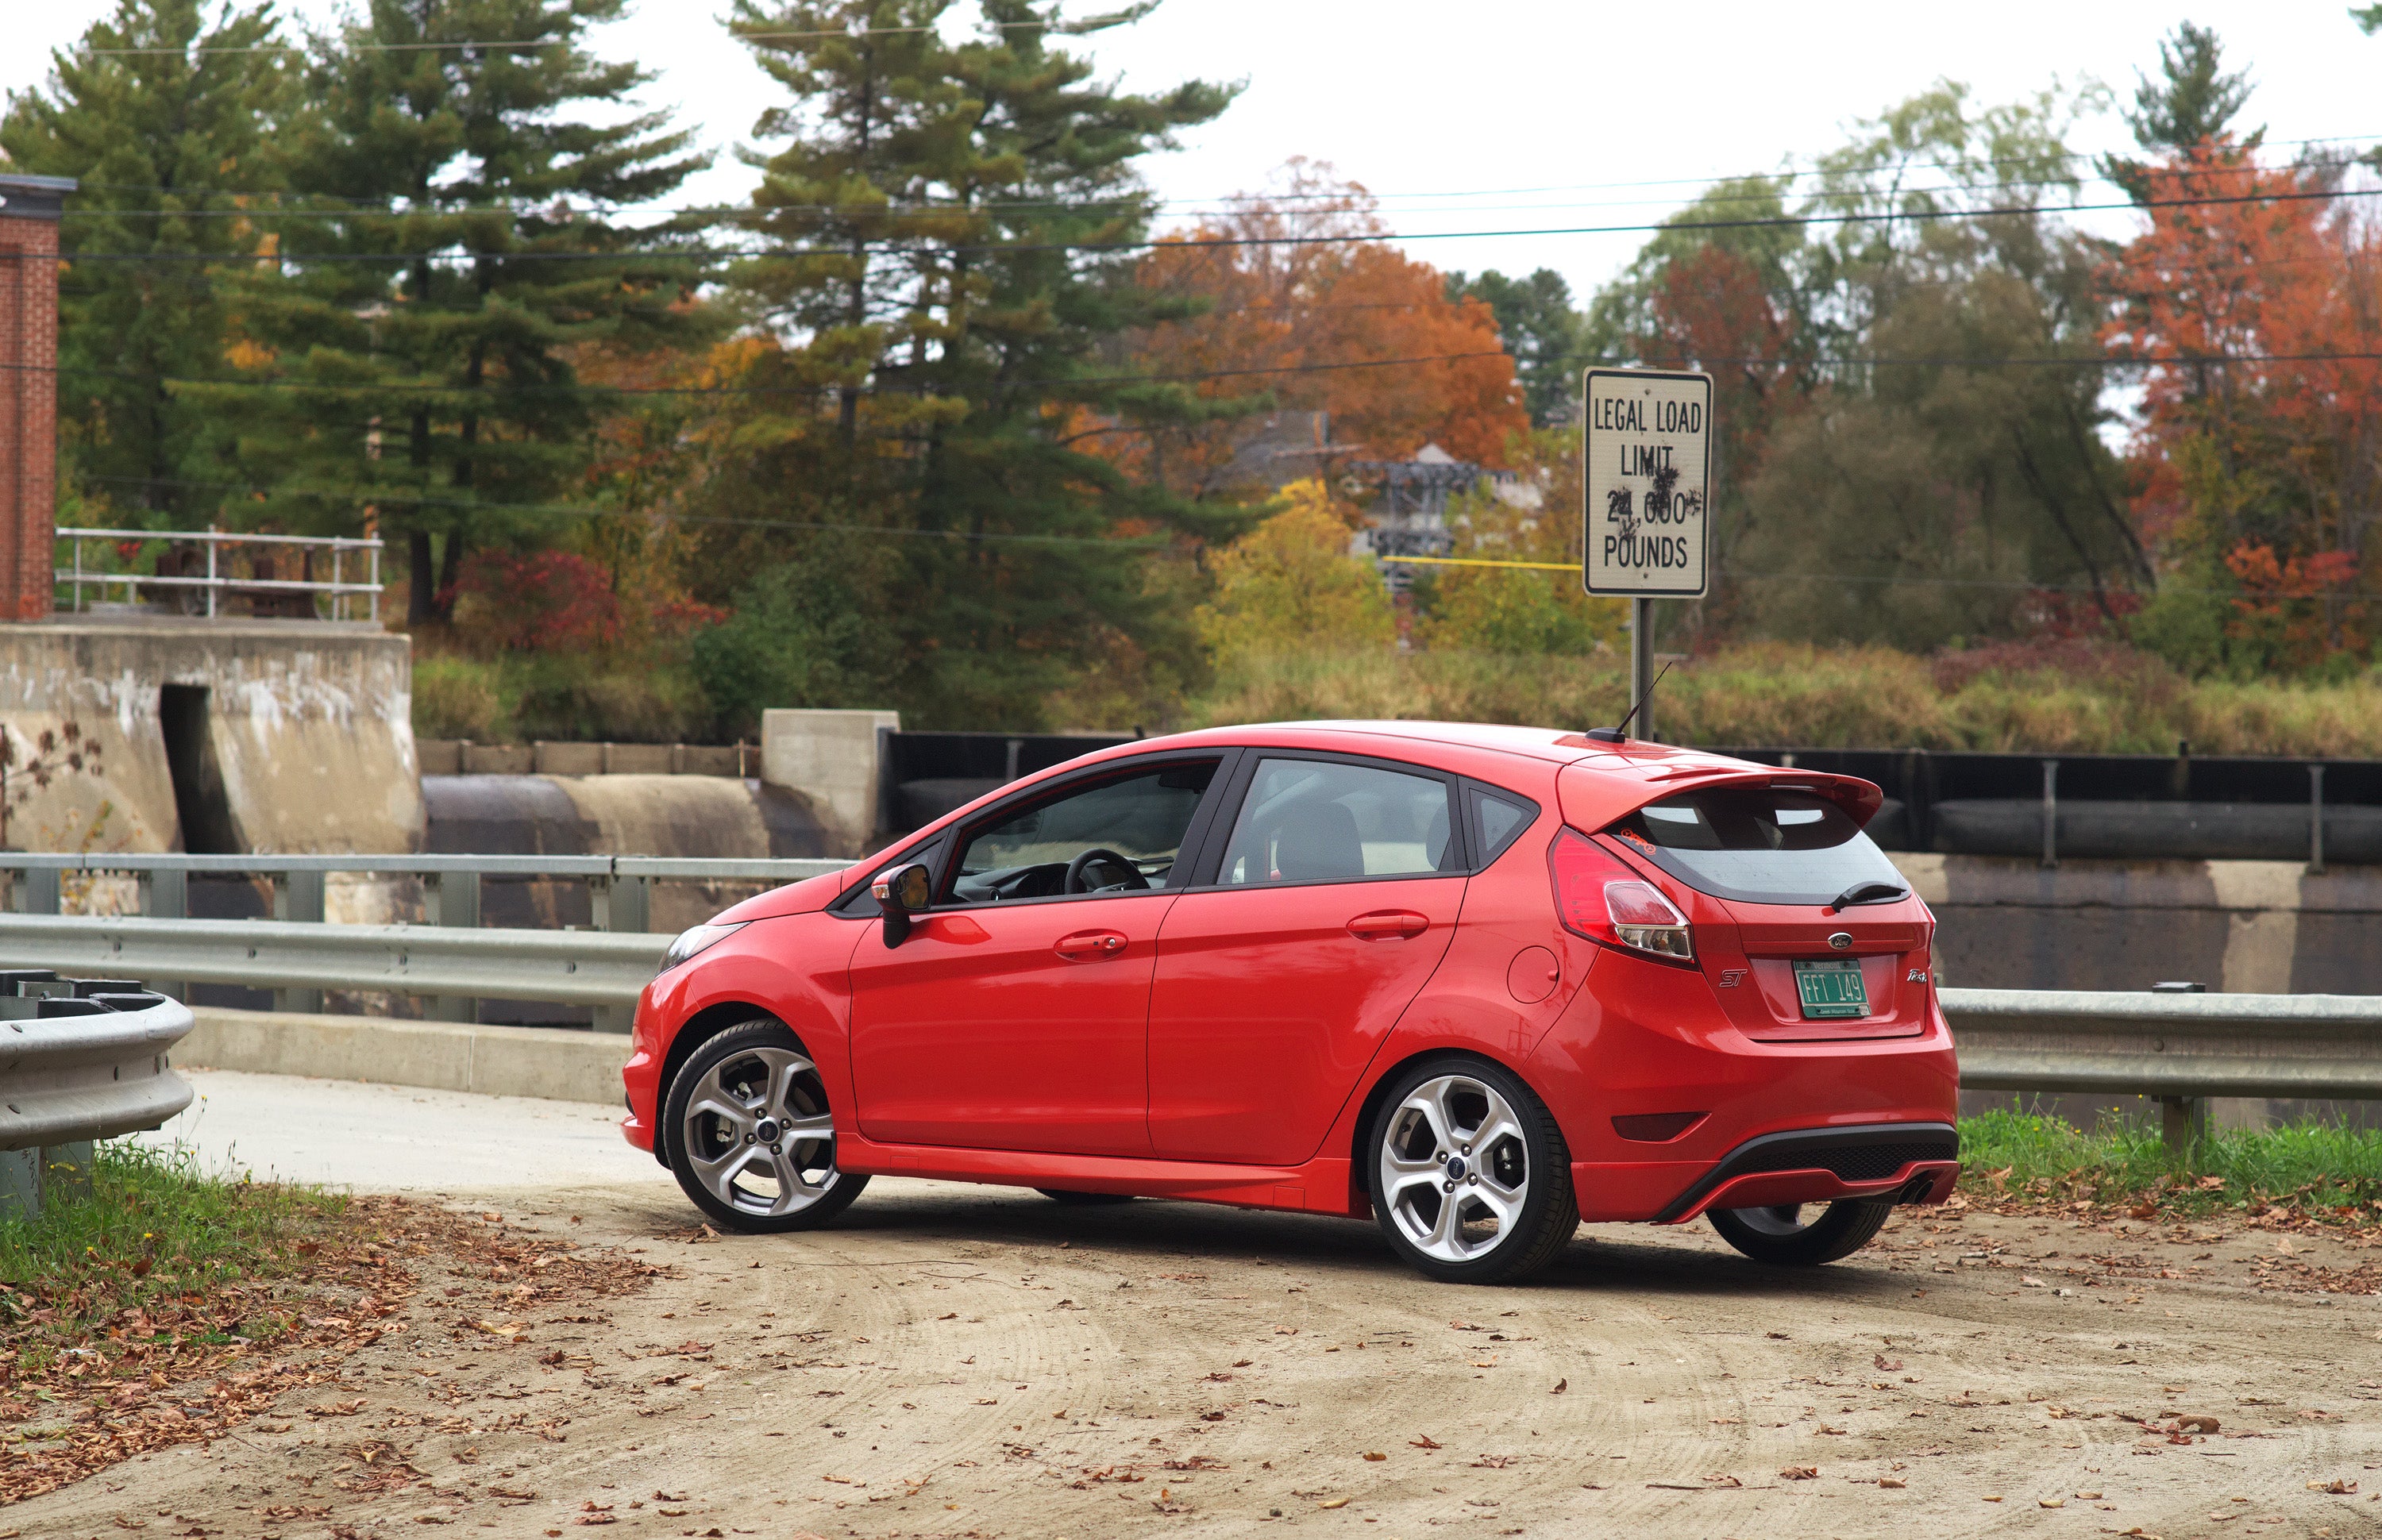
{"x": 1062, "y": 28}
{"x": 1229, "y": 243}
{"x": 484, "y": 394}
{"x": 754, "y": 211}
{"x": 380, "y": 496}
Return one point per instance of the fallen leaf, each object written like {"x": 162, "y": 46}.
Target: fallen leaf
{"x": 1561, "y": 1386}
{"x": 2197, "y": 1422}
{"x": 1892, "y": 1483}
{"x": 1370, "y": 1454}
{"x": 1798, "y": 1472}
{"x": 1426, "y": 1442}
{"x": 1890, "y": 1365}
{"x": 2338, "y": 1486}
{"x": 2051, "y": 1502}
{"x": 1333, "y": 1502}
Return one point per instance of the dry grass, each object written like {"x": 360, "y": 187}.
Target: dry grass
{"x": 2070, "y": 698}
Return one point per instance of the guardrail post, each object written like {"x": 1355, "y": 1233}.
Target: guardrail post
{"x": 166, "y": 895}
{"x": 2315, "y": 819}
{"x": 2051, "y": 813}
{"x": 298, "y": 895}
{"x": 20, "y": 1184}
{"x": 37, "y": 890}
{"x": 619, "y": 904}
{"x": 2183, "y": 1123}
{"x": 453, "y": 899}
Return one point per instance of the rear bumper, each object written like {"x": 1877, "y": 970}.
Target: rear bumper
{"x": 1912, "y": 1162}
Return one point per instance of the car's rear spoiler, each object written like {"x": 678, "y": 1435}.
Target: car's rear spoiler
{"x": 1598, "y": 789}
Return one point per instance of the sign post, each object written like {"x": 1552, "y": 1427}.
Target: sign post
{"x": 1648, "y": 480}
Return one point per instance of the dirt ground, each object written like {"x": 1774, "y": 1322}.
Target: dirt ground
{"x": 955, "y": 1361}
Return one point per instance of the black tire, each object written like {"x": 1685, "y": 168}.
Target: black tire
{"x": 1532, "y": 1152}
{"x": 765, "y": 1045}
{"x": 1779, "y": 1236}
{"x": 1083, "y": 1200}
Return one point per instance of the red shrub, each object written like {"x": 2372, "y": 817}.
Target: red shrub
{"x": 536, "y": 601}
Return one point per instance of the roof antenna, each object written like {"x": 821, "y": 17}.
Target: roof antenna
{"x": 1621, "y": 733}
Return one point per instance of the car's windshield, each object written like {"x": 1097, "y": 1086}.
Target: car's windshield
{"x": 1758, "y": 846}
{"x": 1141, "y": 818}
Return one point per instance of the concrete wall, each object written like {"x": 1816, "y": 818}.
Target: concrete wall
{"x": 2243, "y": 928}
{"x": 832, "y": 758}
{"x": 309, "y": 729}
{"x": 2238, "y": 927}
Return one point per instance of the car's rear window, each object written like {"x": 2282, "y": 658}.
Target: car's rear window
{"x": 1756, "y": 846}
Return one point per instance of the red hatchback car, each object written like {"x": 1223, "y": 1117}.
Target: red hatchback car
{"x": 1482, "y": 984}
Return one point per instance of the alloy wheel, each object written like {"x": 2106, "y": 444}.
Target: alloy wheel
{"x": 1455, "y": 1168}
{"x": 757, "y": 1133}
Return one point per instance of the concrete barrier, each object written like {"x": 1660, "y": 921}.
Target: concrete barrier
{"x": 494, "y": 1061}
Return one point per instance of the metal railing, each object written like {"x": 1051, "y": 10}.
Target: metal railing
{"x": 618, "y": 887}
{"x": 79, "y": 1061}
{"x": 217, "y": 583}
{"x": 569, "y": 967}
{"x": 2178, "y": 1049}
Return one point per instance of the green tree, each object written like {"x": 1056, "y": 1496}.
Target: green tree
{"x": 427, "y": 326}
{"x": 165, "y": 118}
{"x": 1292, "y": 586}
{"x": 937, "y": 322}
{"x": 2192, "y": 102}
{"x": 1543, "y": 330}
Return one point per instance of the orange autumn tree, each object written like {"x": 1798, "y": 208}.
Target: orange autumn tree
{"x": 1297, "y": 305}
{"x": 2254, "y": 292}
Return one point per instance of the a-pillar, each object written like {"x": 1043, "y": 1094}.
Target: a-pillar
{"x": 28, "y": 391}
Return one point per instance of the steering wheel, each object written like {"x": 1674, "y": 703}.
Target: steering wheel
{"x": 1100, "y": 856}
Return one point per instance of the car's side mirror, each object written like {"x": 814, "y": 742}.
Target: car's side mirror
{"x": 900, "y": 893}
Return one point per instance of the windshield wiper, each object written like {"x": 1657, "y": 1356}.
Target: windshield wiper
{"x": 1869, "y": 893}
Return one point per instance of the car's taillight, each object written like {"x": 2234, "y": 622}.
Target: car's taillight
{"x": 1599, "y": 897}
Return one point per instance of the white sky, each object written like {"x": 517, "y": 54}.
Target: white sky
{"x": 1444, "y": 110}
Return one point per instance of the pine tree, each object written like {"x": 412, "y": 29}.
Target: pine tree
{"x": 165, "y": 120}
{"x": 950, "y": 234}
{"x": 2192, "y": 104}
{"x": 1543, "y": 329}
{"x": 423, "y": 336}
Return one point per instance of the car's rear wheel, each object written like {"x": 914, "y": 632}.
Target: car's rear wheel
{"x": 1791, "y": 1235}
{"x": 1074, "y": 1199}
{"x": 1471, "y": 1178}
{"x": 752, "y": 1141}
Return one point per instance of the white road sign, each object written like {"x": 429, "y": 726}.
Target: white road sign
{"x": 1648, "y": 482}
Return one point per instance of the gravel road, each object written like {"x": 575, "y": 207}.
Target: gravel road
{"x": 954, "y": 1361}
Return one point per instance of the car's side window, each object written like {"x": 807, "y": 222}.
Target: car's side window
{"x": 1499, "y": 817}
{"x": 1317, "y": 821}
{"x": 1119, "y": 835}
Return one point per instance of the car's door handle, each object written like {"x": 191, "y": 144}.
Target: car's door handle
{"x": 1089, "y": 945}
{"x": 1388, "y": 925}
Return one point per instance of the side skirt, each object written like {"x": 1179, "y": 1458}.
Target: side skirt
{"x": 1321, "y": 1186}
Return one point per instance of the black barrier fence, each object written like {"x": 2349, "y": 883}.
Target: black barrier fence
{"x": 2134, "y": 807}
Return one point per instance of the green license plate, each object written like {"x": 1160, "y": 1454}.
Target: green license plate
{"x": 1831, "y": 989}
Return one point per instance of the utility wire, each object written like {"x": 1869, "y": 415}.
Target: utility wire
{"x": 486, "y": 393}
{"x": 1223, "y": 242}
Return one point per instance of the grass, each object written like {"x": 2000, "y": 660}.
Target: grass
{"x": 2055, "y": 697}
{"x": 2318, "y": 1168}
{"x": 155, "y": 1234}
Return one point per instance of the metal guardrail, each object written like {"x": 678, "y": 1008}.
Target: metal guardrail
{"x": 619, "y": 890}
{"x": 263, "y": 582}
{"x": 92, "y": 1075}
{"x": 77, "y": 1066}
{"x": 2168, "y": 1046}
{"x": 571, "y": 967}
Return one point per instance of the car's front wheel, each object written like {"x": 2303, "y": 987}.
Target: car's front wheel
{"x": 751, "y": 1138}
{"x": 1791, "y": 1235}
{"x": 1471, "y": 1178}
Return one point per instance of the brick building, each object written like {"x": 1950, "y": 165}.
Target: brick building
{"x": 28, "y": 390}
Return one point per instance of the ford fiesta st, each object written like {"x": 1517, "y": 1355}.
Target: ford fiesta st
{"x": 1479, "y": 984}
